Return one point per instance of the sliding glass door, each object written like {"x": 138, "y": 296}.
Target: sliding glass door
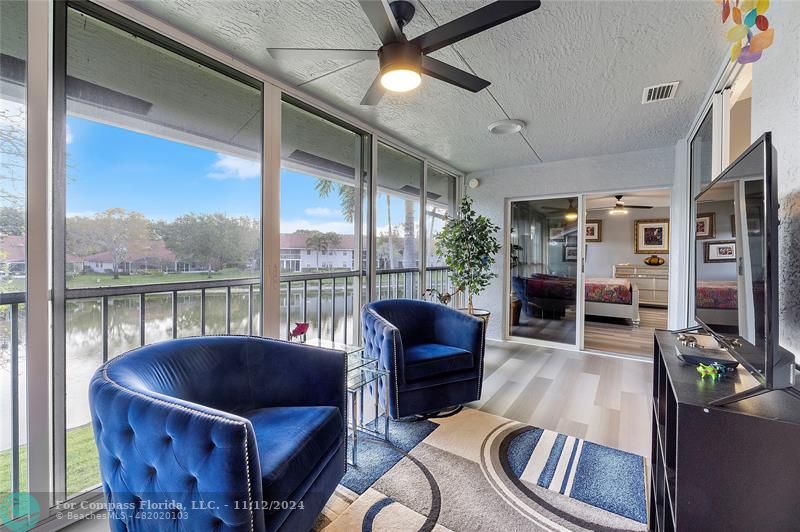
{"x": 13, "y": 247}
{"x": 321, "y": 202}
{"x": 544, "y": 257}
{"x": 159, "y": 211}
{"x": 397, "y": 226}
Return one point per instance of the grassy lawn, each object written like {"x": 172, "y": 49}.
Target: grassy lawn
{"x": 83, "y": 470}
{"x": 93, "y": 280}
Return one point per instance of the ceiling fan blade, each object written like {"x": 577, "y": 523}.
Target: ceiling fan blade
{"x": 638, "y": 206}
{"x": 479, "y": 20}
{"x": 374, "y": 93}
{"x": 450, "y": 74}
{"x": 382, "y": 19}
{"x": 313, "y": 54}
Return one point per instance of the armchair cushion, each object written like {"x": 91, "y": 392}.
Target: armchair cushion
{"x": 430, "y": 360}
{"x": 292, "y": 441}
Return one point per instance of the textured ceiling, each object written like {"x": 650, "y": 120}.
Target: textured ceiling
{"x": 574, "y": 71}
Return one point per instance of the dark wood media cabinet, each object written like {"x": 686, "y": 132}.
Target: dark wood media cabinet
{"x": 734, "y": 467}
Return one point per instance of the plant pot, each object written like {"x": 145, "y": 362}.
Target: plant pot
{"x": 516, "y": 311}
{"x": 478, "y": 313}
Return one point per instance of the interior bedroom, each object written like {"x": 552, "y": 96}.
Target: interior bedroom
{"x": 626, "y": 271}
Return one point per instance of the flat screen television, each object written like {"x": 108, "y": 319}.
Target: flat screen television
{"x": 736, "y": 264}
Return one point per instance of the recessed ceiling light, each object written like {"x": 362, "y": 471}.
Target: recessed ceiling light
{"x": 506, "y": 127}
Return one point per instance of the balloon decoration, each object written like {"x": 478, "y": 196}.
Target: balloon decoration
{"x": 751, "y": 33}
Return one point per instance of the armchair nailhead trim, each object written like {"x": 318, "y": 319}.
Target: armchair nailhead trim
{"x": 391, "y": 327}
{"x": 193, "y": 412}
{"x": 483, "y": 350}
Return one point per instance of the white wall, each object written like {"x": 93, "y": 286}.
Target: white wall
{"x": 617, "y": 246}
{"x": 776, "y": 108}
{"x": 606, "y": 173}
{"x": 679, "y": 245}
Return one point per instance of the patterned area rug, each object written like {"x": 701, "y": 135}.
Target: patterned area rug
{"x": 477, "y": 471}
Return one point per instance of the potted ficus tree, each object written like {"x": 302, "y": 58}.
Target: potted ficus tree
{"x": 468, "y": 245}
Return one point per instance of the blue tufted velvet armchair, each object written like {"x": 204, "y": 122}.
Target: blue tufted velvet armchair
{"x": 225, "y": 433}
{"x": 434, "y": 354}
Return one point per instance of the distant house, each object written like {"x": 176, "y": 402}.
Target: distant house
{"x": 297, "y": 257}
{"x": 12, "y": 257}
{"x": 154, "y": 257}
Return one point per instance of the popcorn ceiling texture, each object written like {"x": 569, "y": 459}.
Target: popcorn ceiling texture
{"x": 573, "y": 70}
{"x": 776, "y": 108}
{"x": 605, "y": 173}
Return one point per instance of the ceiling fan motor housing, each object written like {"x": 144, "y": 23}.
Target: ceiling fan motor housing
{"x": 400, "y": 55}
{"x": 403, "y": 11}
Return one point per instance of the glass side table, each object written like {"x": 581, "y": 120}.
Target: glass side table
{"x": 362, "y": 372}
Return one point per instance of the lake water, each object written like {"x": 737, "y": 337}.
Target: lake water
{"x": 331, "y": 317}
{"x": 84, "y": 349}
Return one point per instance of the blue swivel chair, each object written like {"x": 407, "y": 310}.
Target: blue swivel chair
{"x": 434, "y": 354}
{"x": 224, "y": 433}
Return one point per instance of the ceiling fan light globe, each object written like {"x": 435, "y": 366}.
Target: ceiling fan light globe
{"x": 618, "y": 210}
{"x": 571, "y": 216}
{"x": 400, "y": 80}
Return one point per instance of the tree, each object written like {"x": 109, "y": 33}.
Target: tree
{"x": 347, "y": 196}
{"x": 13, "y": 150}
{"x": 468, "y": 245}
{"x": 319, "y": 241}
{"x": 211, "y": 239}
{"x": 409, "y": 241}
{"x": 12, "y": 221}
{"x": 116, "y": 231}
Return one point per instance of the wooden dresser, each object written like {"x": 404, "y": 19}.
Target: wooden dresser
{"x": 652, "y": 281}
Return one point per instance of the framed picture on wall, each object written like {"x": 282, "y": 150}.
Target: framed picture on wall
{"x": 594, "y": 230}
{"x": 720, "y": 251}
{"x": 556, "y": 234}
{"x": 755, "y": 217}
{"x": 570, "y": 254}
{"x": 651, "y": 236}
{"x": 704, "y": 226}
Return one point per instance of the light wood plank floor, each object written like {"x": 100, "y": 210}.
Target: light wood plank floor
{"x": 614, "y": 336}
{"x": 600, "y": 398}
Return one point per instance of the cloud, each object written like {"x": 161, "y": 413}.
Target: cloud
{"x": 320, "y": 212}
{"x": 230, "y": 167}
{"x": 290, "y": 226}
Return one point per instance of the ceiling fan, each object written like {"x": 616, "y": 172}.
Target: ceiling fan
{"x": 402, "y": 62}
{"x": 570, "y": 213}
{"x": 620, "y": 207}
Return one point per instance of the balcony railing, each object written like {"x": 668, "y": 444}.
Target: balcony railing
{"x": 12, "y": 313}
{"x": 326, "y": 300}
{"x": 103, "y": 322}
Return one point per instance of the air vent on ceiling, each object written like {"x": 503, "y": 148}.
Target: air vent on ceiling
{"x": 658, "y": 93}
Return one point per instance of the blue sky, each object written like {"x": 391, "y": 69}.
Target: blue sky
{"x": 115, "y": 167}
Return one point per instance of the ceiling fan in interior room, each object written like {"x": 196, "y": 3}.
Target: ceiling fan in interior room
{"x": 620, "y": 207}
{"x": 402, "y": 61}
{"x": 570, "y": 213}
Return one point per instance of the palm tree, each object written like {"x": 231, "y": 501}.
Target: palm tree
{"x": 319, "y": 241}
{"x": 347, "y": 196}
{"x": 409, "y": 241}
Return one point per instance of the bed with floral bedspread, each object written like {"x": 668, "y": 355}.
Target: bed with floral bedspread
{"x": 717, "y": 295}
{"x": 609, "y": 291}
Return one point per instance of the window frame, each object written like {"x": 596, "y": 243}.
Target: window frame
{"x": 47, "y": 62}
{"x": 60, "y": 10}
